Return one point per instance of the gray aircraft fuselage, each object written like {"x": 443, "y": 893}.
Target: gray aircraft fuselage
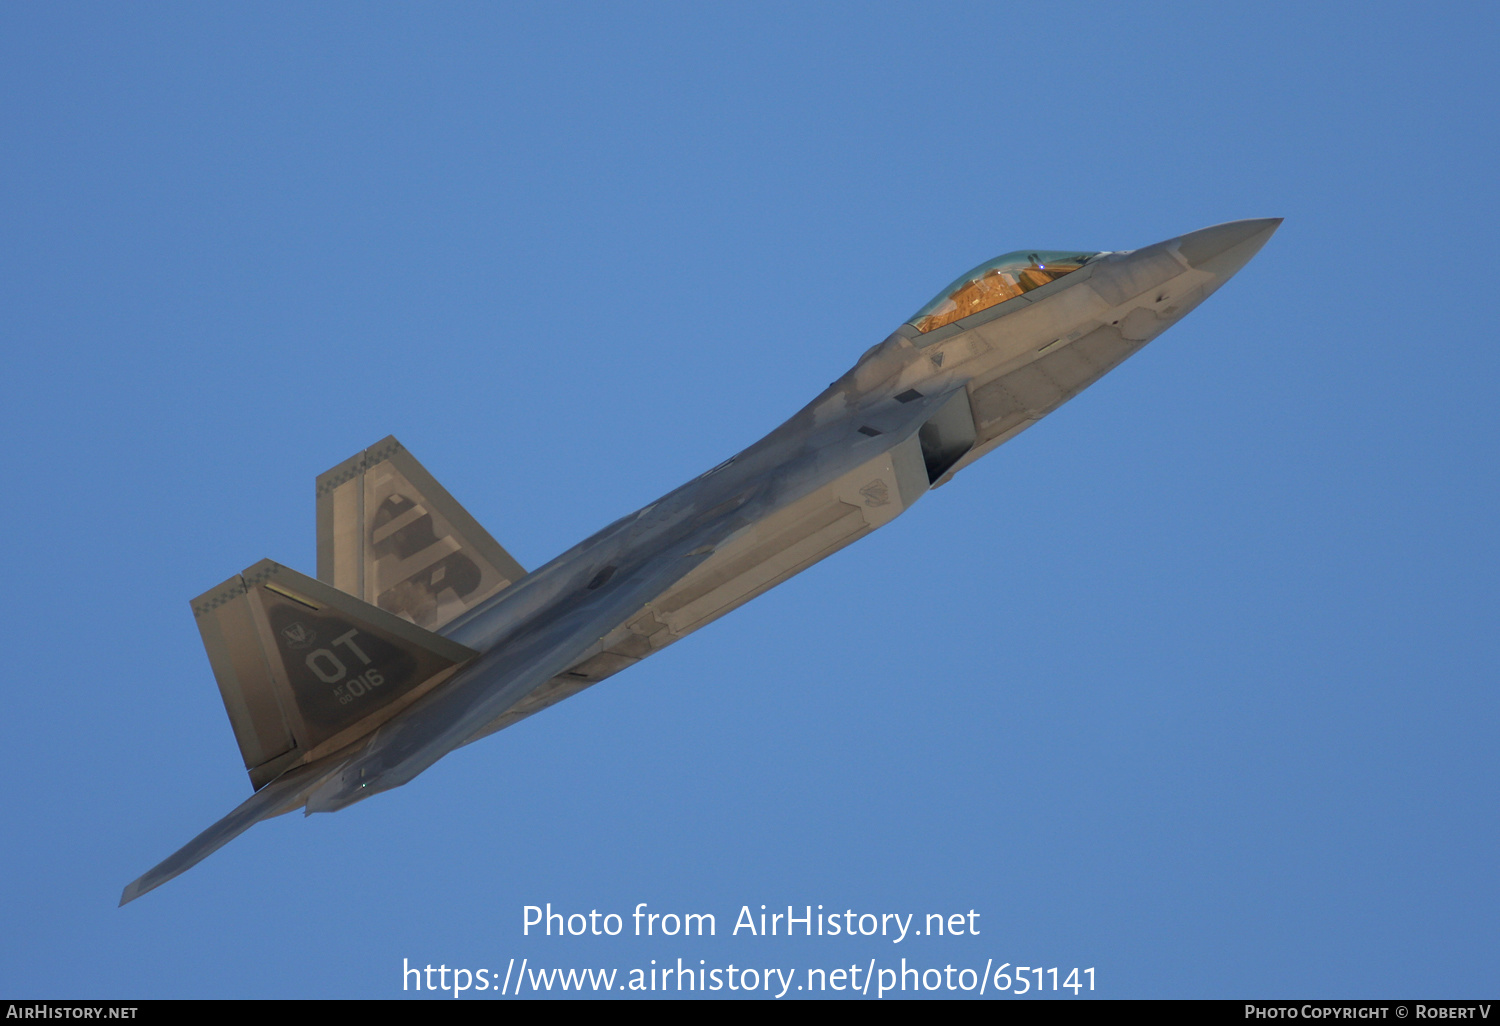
{"x": 941, "y": 391}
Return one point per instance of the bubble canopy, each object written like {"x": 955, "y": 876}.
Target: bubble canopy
{"x": 995, "y": 281}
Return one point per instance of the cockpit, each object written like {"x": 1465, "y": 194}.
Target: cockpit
{"x": 995, "y": 281}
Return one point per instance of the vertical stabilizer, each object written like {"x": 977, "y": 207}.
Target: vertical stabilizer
{"x": 389, "y": 534}
{"x": 305, "y": 669}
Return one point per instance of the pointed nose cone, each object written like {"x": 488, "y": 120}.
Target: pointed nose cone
{"x": 1225, "y": 248}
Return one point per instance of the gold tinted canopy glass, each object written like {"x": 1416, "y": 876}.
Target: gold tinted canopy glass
{"x": 995, "y": 281}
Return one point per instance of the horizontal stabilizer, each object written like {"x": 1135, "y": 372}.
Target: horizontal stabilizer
{"x": 305, "y": 669}
{"x": 388, "y": 533}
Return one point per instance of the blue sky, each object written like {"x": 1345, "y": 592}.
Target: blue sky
{"x": 1193, "y": 683}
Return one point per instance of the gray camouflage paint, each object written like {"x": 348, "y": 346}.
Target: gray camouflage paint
{"x": 915, "y": 410}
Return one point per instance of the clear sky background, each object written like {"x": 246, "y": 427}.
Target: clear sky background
{"x": 1194, "y": 683}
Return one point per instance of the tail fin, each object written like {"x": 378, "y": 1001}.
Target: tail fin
{"x": 305, "y": 669}
{"x": 388, "y": 533}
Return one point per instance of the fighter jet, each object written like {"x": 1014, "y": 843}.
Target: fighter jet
{"x": 421, "y": 634}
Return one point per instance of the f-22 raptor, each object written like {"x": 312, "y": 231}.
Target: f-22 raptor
{"x": 421, "y": 634}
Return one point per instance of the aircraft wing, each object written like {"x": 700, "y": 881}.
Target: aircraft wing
{"x": 509, "y": 672}
{"x": 281, "y": 795}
